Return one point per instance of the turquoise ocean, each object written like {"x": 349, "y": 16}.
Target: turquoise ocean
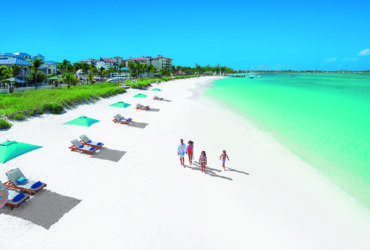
{"x": 322, "y": 118}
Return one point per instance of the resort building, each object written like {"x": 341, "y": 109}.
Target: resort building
{"x": 23, "y": 56}
{"x": 142, "y": 60}
{"x": 89, "y": 61}
{"x": 39, "y": 56}
{"x": 161, "y": 62}
{"x": 49, "y": 67}
{"x": 7, "y": 55}
{"x": 106, "y": 63}
{"x": 118, "y": 60}
{"x": 14, "y": 61}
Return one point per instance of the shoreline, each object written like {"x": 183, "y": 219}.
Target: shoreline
{"x": 222, "y": 104}
{"x": 269, "y": 198}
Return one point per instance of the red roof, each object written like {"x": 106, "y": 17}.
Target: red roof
{"x": 138, "y": 59}
{"x": 117, "y": 57}
{"x": 161, "y": 57}
{"x": 108, "y": 60}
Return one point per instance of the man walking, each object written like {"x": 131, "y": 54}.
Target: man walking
{"x": 181, "y": 151}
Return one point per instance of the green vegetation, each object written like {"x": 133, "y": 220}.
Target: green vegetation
{"x": 22, "y": 104}
{"x": 145, "y": 82}
{"x": 4, "y": 124}
{"x": 203, "y": 69}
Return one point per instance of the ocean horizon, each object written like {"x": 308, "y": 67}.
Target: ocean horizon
{"x": 322, "y": 118}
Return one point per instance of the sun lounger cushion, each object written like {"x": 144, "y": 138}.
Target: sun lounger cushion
{"x": 18, "y": 197}
{"x": 22, "y": 181}
{"x": 15, "y": 174}
{"x": 11, "y": 197}
{"x": 76, "y": 143}
{"x": 92, "y": 148}
{"x": 81, "y": 146}
{"x": 36, "y": 185}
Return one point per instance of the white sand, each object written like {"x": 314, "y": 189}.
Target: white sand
{"x": 148, "y": 201}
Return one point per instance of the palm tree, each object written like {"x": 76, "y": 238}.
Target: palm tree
{"x": 85, "y": 67}
{"x": 152, "y": 69}
{"x": 69, "y": 79}
{"x": 24, "y": 73}
{"x": 36, "y": 64}
{"x": 66, "y": 65}
{"x": 111, "y": 71}
{"x": 132, "y": 68}
{"x": 95, "y": 70}
{"x": 77, "y": 66}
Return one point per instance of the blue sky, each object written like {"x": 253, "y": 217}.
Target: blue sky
{"x": 268, "y": 34}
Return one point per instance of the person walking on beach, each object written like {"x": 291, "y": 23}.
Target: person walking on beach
{"x": 181, "y": 151}
{"x": 203, "y": 161}
{"x": 223, "y": 158}
{"x": 190, "y": 151}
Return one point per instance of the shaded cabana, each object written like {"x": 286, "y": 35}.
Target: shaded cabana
{"x": 82, "y": 121}
{"x": 120, "y": 104}
{"x": 12, "y": 149}
{"x": 140, "y": 95}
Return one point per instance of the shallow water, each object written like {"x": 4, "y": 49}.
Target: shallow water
{"x": 323, "y": 118}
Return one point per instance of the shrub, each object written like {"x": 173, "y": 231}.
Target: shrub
{"x": 19, "y": 116}
{"x": 54, "y": 108}
{"x": 4, "y": 124}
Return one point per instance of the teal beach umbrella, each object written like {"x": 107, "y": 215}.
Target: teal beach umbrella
{"x": 140, "y": 96}
{"x": 82, "y": 121}
{"x": 12, "y": 149}
{"x": 156, "y": 89}
{"x": 120, "y": 105}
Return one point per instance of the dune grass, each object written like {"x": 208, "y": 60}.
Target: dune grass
{"x": 19, "y": 105}
{"x": 145, "y": 82}
{"x": 4, "y": 124}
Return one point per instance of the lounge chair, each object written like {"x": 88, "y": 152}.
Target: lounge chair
{"x": 120, "y": 119}
{"x": 142, "y": 107}
{"x": 158, "y": 98}
{"x": 77, "y": 146}
{"x": 86, "y": 141}
{"x": 18, "y": 181}
{"x": 15, "y": 198}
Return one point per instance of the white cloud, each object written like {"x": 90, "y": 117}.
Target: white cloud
{"x": 349, "y": 59}
{"x": 333, "y": 59}
{"x": 364, "y": 52}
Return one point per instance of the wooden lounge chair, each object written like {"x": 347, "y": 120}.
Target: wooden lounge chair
{"x": 120, "y": 119}
{"x": 86, "y": 141}
{"x": 77, "y": 146}
{"x": 29, "y": 186}
{"x": 15, "y": 198}
{"x": 142, "y": 107}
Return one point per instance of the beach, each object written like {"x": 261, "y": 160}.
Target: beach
{"x": 135, "y": 195}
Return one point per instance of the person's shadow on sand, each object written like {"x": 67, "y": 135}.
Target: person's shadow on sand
{"x": 236, "y": 171}
{"x": 209, "y": 171}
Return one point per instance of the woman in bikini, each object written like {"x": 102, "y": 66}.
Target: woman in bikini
{"x": 223, "y": 158}
{"x": 190, "y": 150}
{"x": 203, "y": 161}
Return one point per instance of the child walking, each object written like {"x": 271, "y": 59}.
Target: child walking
{"x": 190, "y": 151}
{"x": 203, "y": 161}
{"x": 223, "y": 158}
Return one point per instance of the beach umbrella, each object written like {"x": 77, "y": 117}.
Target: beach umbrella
{"x": 140, "y": 96}
{"x": 156, "y": 89}
{"x": 12, "y": 149}
{"x": 120, "y": 105}
{"x": 54, "y": 78}
{"x": 82, "y": 121}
